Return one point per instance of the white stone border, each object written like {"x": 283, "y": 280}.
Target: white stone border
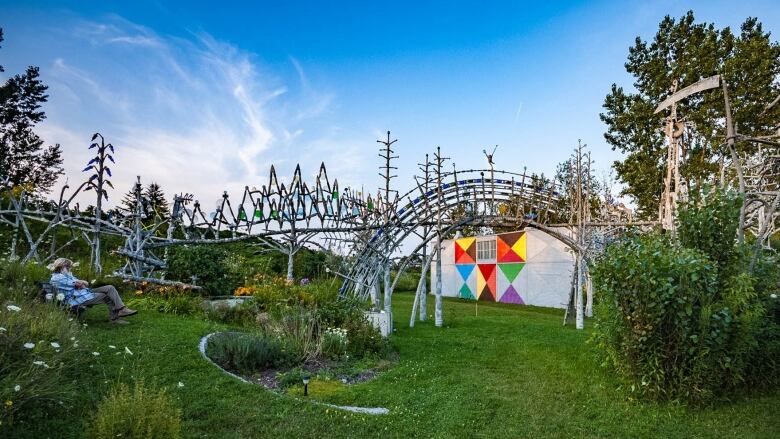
{"x": 349, "y": 408}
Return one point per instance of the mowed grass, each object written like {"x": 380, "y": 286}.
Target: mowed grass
{"x": 508, "y": 372}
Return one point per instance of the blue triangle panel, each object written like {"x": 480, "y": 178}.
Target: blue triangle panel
{"x": 465, "y": 270}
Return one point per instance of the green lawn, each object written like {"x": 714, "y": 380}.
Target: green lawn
{"x": 510, "y": 372}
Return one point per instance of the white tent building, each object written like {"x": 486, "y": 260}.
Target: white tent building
{"x": 528, "y": 267}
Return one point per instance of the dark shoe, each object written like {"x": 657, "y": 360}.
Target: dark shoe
{"x": 119, "y": 321}
{"x": 125, "y": 312}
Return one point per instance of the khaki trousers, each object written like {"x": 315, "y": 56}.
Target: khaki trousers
{"x": 108, "y": 295}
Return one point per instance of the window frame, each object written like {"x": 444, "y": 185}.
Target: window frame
{"x": 486, "y": 250}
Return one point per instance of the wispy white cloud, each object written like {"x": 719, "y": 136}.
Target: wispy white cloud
{"x": 197, "y": 115}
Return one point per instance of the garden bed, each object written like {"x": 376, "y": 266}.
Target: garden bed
{"x": 279, "y": 379}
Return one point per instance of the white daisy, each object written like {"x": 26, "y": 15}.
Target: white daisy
{"x": 180, "y": 385}
{"x": 112, "y": 346}
{"x": 13, "y": 308}
{"x": 17, "y": 388}
{"x": 41, "y": 363}
{"x": 96, "y": 353}
{"x": 60, "y": 297}
{"x": 29, "y": 345}
{"x": 55, "y": 345}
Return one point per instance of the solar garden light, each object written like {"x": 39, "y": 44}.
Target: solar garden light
{"x": 305, "y": 385}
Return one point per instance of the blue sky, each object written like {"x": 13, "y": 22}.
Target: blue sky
{"x": 204, "y": 97}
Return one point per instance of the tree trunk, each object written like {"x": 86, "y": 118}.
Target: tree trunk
{"x": 589, "y": 294}
{"x": 290, "y": 266}
{"x": 730, "y": 137}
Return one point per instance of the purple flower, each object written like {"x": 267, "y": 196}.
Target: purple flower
{"x": 305, "y": 281}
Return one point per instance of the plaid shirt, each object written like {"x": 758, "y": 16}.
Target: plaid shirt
{"x": 65, "y": 285}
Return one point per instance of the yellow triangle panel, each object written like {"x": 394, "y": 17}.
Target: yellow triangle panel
{"x": 519, "y": 247}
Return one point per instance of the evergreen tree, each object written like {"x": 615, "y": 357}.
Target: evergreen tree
{"x": 23, "y": 157}
{"x": 158, "y": 205}
{"x": 687, "y": 51}
{"x": 127, "y": 206}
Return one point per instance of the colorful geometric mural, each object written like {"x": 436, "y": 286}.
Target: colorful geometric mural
{"x": 508, "y": 282}
{"x": 493, "y": 281}
{"x": 466, "y": 251}
{"x": 464, "y": 272}
{"x": 510, "y": 247}
{"x": 486, "y": 282}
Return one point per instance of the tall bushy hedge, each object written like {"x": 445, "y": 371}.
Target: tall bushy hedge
{"x": 681, "y": 317}
{"x": 217, "y": 270}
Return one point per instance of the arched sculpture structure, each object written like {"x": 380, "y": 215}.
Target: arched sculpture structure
{"x": 507, "y": 199}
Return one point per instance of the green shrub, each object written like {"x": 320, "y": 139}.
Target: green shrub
{"x": 708, "y": 223}
{"x": 681, "y": 317}
{"x": 35, "y": 378}
{"x": 364, "y": 340}
{"x": 337, "y": 312}
{"x": 247, "y": 353}
{"x": 216, "y": 270}
{"x": 140, "y": 413}
{"x": 656, "y": 320}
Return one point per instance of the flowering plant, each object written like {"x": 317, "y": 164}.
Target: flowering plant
{"x": 334, "y": 343}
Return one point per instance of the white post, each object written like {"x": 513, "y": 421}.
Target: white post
{"x": 439, "y": 303}
{"x": 388, "y": 301}
{"x": 376, "y": 293}
{"x": 422, "y": 288}
{"x": 415, "y": 303}
{"x": 580, "y": 315}
{"x": 421, "y": 291}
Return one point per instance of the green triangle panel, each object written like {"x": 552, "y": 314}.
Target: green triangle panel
{"x": 511, "y": 270}
{"x": 465, "y": 292}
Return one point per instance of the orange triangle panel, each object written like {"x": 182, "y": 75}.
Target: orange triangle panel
{"x": 501, "y": 249}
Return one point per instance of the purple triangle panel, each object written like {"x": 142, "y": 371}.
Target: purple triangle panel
{"x": 511, "y": 296}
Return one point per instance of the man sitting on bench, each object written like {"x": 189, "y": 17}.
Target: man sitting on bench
{"x": 77, "y": 294}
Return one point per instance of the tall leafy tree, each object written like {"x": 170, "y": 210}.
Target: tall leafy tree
{"x": 687, "y": 51}
{"x": 24, "y": 158}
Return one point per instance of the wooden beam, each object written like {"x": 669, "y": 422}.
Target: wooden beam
{"x": 704, "y": 84}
